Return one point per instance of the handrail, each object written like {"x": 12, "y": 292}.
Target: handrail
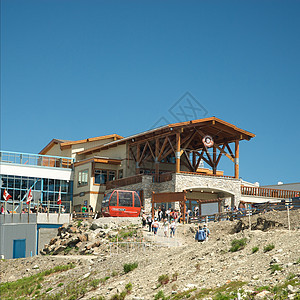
{"x": 211, "y": 175}
{"x": 267, "y": 192}
{"x": 39, "y": 160}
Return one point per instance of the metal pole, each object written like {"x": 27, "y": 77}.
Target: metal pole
{"x": 288, "y": 214}
{"x": 249, "y": 214}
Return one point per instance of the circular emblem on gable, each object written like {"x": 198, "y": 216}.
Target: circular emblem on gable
{"x": 208, "y": 141}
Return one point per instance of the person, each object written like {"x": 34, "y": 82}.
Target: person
{"x": 63, "y": 210}
{"x": 144, "y": 220}
{"x": 166, "y": 227}
{"x": 207, "y": 232}
{"x": 2, "y": 209}
{"x": 83, "y": 211}
{"x": 200, "y": 235}
{"x": 91, "y": 210}
{"x": 172, "y": 228}
{"x": 155, "y": 226}
{"x": 149, "y": 221}
{"x": 34, "y": 210}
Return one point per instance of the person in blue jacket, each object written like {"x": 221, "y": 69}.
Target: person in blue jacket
{"x": 200, "y": 235}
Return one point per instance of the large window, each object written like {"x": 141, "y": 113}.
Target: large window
{"x": 83, "y": 177}
{"x": 44, "y": 191}
{"x": 102, "y": 176}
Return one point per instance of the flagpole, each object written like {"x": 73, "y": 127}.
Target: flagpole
{"x": 5, "y": 207}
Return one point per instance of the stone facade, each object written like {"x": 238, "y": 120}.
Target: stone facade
{"x": 224, "y": 187}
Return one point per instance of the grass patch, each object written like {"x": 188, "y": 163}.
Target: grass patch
{"x": 128, "y": 287}
{"x": 27, "y": 285}
{"x": 130, "y": 267}
{"x": 159, "y": 295}
{"x": 255, "y": 249}
{"x": 275, "y": 268}
{"x": 237, "y": 245}
{"x": 114, "y": 273}
{"x": 183, "y": 295}
{"x": 60, "y": 284}
{"x": 269, "y": 247}
{"x": 94, "y": 283}
{"x": 163, "y": 279}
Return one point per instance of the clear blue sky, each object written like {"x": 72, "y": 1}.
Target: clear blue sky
{"x": 76, "y": 69}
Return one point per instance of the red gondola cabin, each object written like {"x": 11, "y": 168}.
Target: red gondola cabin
{"x": 120, "y": 203}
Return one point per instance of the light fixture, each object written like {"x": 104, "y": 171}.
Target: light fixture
{"x": 191, "y": 190}
{"x": 201, "y": 191}
{"x": 212, "y": 192}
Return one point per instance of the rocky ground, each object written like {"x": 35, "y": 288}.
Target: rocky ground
{"x": 167, "y": 268}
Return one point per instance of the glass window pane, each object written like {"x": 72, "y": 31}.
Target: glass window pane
{"x": 111, "y": 175}
{"x": 137, "y": 202}
{"x": 125, "y": 199}
{"x": 10, "y": 182}
{"x": 113, "y": 199}
{"x": 106, "y": 200}
{"x": 17, "y": 182}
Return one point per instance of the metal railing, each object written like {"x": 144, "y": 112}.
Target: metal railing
{"x": 238, "y": 214}
{"x": 267, "y": 192}
{"x": 20, "y": 158}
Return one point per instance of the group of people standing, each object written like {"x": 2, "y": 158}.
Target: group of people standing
{"x": 202, "y": 233}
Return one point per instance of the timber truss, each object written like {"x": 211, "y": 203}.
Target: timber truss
{"x": 184, "y": 144}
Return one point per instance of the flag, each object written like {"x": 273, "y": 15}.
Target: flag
{"x": 6, "y": 195}
{"x": 59, "y": 196}
{"x": 29, "y": 197}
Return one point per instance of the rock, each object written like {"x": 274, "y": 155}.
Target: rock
{"x": 58, "y": 249}
{"x": 83, "y": 237}
{"x": 86, "y": 275}
{"x": 35, "y": 267}
{"x": 292, "y": 289}
{"x": 263, "y": 295}
{"x": 255, "y": 277}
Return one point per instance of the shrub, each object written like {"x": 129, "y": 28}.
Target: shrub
{"x": 255, "y": 249}
{"x": 174, "y": 276}
{"x": 94, "y": 283}
{"x": 129, "y": 267}
{"x": 79, "y": 223}
{"x": 128, "y": 287}
{"x": 275, "y": 268}
{"x": 60, "y": 284}
{"x": 159, "y": 295}
{"x": 49, "y": 289}
{"x": 290, "y": 276}
{"x": 269, "y": 247}
{"x": 114, "y": 273}
{"x": 163, "y": 279}
{"x": 237, "y": 245}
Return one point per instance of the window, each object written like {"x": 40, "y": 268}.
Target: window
{"x": 125, "y": 199}
{"x": 106, "y": 200}
{"x": 113, "y": 199}
{"x": 102, "y": 176}
{"x": 83, "y": 177}
{"x": 137, "y": 202}
{"x": 120, "y": 175}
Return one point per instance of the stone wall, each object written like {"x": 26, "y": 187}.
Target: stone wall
{"x": 229, "y": 186}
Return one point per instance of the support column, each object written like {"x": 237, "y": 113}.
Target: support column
{"x": 194, "y": 161}
{"x": 156, "y": 160}
{"x": 177, "y": 154}
{"x": 137, "y": 167}
{"x": 236, "y": 159}
{"x": 214, "y": 160}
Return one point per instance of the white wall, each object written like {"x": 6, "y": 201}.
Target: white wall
{"x": 36, "y": 171}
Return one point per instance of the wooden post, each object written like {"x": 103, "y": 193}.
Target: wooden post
{"x": 152, "y": 209}
{"x": 137, "y": 166}
{"x": 177, "y": 154}
{"x": 214, "y": 160}
{"x": 184, "y": 207}
{"x": 236, "y": 160}
{"x": 156, "y": 160}
{"x": 194, "y": 161}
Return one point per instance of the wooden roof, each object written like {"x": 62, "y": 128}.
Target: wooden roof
{"x": 64, "y": 144}
{"x": 220, "y": 130}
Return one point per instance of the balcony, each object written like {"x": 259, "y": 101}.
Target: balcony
{"x": 18, "y": 158}
{"x": 269, "y": 193}
{"x": 137, "y": 179}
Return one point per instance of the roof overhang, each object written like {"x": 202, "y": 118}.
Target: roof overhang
{"x": 220, "y": 130}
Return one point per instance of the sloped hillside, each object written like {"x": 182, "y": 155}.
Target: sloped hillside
{"x": 235, "y": 263}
